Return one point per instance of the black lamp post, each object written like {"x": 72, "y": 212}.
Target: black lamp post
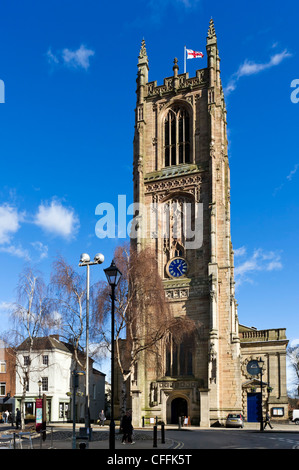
{"x": 260, "y": 364}
{"x": 113, "y": 276}
{"x": 39, "y": 388}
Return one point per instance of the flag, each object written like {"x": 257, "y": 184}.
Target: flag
{"x": 193, "y": 54}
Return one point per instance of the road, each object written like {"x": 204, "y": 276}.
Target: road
{"x": 233, "y": 439}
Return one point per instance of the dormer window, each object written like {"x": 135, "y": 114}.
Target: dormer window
{"x": 176, "y": 137}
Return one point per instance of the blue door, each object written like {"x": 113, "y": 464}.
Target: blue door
{"x": 253, "y": 407}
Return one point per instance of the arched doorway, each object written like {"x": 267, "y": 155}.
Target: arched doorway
{"x": 179, "y": 407}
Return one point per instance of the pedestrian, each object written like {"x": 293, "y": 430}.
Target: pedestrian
{"x": 18, "y": 419}
{"x": 11, "y": 418}
{"x": 267, "y": 421}
{"x": 126, "y": 425}
{"x": 4, "y": 415}
{"x": 102, "y": 418}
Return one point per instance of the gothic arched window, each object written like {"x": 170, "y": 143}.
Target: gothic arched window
{"x": 179, "y": 357}
{"x": 176, "y": 137}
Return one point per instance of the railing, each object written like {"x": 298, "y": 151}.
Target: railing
{"x": 263, "y": 335}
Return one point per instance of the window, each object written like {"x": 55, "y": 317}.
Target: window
{"x": 45, "y": 360}
{"x": 63, "y": 410}
{"x": 176, "y": 137}
{"x": 25, "y": 383}
{"x": 2, "y": 367}
{"x": 44, "y": 384}
{"x": 179, "y": 357}
{"x": 26, "y": 361}
{"x": 2, "y": 388}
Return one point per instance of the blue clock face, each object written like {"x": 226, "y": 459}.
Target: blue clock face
{"x": 177, "y": 267}
{"x": 253, "y": 368}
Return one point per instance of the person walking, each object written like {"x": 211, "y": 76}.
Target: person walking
{"x": 267, "y": 421}
{"x": 126, "y": 425}
{"x": 11, "y": 418}
{"x": 18, "y": 419}
{"x": 102, "y": 418}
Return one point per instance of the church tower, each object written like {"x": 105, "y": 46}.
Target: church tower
{"x": 181, "y": 172}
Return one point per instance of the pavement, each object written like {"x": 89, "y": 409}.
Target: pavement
{"x": 60, "y": 436}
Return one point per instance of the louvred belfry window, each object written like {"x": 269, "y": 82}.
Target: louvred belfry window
{"x": 176, "y": 137}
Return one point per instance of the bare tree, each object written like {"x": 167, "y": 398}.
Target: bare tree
{"x": 30, "y": 318}
{"x": 67, "y": 300}
{"x": 142, "y": 314}
{"x": 293, "y": 356}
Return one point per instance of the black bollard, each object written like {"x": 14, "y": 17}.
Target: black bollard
{"x": 155, "y": 437}
{"x": 162, "y": 433}
{"x": 143, "y": 421}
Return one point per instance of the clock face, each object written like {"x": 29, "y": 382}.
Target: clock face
{"x": 253, "y": 368}
{"x": 177, "y": 267}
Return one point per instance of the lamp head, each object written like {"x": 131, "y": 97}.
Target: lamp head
{"x": 113, "y": 274}
{"x": 85, "y": 258}
{"x": 99, "y": 258}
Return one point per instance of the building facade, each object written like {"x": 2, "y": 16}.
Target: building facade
{"x": 46, "y": 369}
{"x": 7, "y": 377}
{"x": 270, "y": 387}
{"x": 182, "y": 185}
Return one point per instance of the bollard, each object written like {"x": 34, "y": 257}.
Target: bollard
{"x": 143, "y": 421}
{"x": 163, "y": 433}
{"x": 155, "y": 437}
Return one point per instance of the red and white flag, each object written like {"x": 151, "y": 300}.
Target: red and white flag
{"x": 193, "y": 54}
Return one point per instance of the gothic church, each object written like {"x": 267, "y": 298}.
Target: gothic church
{"x": 181, "y": 158}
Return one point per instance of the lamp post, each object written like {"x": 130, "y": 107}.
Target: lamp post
{"x": 75, "y": 375}
{"x": 85, "y": 261}
{"x": 113, "y": 276}
{"x": 260, "y": 364}
{"x": 39, "y": 387}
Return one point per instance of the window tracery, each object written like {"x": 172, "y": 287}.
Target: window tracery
{"x": 176, "y": 137}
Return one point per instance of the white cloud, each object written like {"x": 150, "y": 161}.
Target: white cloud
{"x": 6, "y": 306}
{"x": 52, "y": 59}
{"x": 57, "y": 219}
{"x": 41, "y": 249}
{"x": 240, "y": 251}
{"x": 9, "y": 222}
{"x": 79, "y": 58}
{"x": 252, "y": 68}
{"x": 259, "y": 261}
{"x": 17, "y": 251}
{"x": 291, "y": 174}
{"x": 289, "y": 177}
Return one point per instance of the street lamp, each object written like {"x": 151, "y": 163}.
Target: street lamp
{"x": 85, "y": 261}
{"x": 113, "y": 275}
{"x": 75, "y": 375}
{"x": 39, "y": 387}
{"x": 260, "y": 364}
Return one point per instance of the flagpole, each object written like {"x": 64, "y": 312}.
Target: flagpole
{"x": 184, "y": 59}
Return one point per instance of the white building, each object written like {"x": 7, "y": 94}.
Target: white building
{"x": 47, "y": 369}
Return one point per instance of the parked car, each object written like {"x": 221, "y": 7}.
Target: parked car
{"x": 234, "y": 420}
{"x": 295, "y": 418}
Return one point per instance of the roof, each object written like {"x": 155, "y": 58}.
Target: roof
{"x": 44, "y": 343}
{"x": 52, "y": 342}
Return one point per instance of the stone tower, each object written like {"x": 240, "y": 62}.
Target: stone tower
{"x": 181, "y": 167}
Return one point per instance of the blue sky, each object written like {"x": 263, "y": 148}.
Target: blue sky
{"x": 67, "y": 125}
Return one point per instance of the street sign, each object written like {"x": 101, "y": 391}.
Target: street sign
{"x": 39, "y": 414}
